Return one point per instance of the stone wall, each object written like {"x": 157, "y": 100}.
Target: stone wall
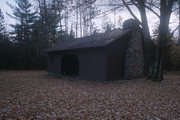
{"x": 134, "y": 60}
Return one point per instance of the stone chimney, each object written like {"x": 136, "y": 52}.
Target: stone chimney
{"x": 130, "y": 23}
{"x": 134, "y": 60}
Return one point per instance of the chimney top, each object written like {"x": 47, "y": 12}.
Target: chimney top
{"x": 130, "y": 23}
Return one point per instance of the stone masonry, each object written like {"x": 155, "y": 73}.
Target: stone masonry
{"x": 134, "y": 61}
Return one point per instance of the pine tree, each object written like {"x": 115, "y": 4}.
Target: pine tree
{"x": 2, "y": 25}
{"x": 22, "y": 32}
{"x": 6, "y": 47}
{"x": 25, "y": 19}
{"x": 49, "y": 20}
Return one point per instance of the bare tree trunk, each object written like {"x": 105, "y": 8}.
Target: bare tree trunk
{"x": 60, "y": 22}
{"x": 130, "y": 11}
{"x": 45, "y": 24}
{"x": 147, "y": 39}
{"x": 90, "y": 21}
{"x": 80, "y": 17}
{"x": 114, "y": 19}
{"x": 165, "y": 12}
{"x": 60, "y": 16}
{"x": 145, "y": 26}
{"x": 179, "y": 24}
{"x": 66, "y": 16}
{"x": 76, "y": 24}
{"x": 77, "y": 17}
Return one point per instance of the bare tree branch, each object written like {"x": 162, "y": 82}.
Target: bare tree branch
{"x": 151, "y": 4}
{"x": 152, "y": 11}
{"x": 173, "y": 32}
{"x": 126, "y": 5}
{"x": 175, "y": 9}
{"x": 105, "y": 12}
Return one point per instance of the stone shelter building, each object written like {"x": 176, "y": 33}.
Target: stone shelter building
{"x": 113, "y": 55}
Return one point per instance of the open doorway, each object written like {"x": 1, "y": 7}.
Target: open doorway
{"x": 70, "y": 65}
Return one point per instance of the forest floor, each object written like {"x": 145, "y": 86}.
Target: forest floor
{"x": 38, "y": 95}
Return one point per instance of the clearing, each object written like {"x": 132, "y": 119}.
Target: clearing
{"x": 37, "y": 95}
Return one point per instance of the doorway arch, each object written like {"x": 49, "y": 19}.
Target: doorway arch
{"x": 70, "y": 65}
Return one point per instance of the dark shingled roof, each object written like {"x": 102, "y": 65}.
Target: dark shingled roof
{"x": 97, "y": 40}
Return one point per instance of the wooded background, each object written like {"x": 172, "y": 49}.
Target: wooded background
{"x": 42, "y": 23}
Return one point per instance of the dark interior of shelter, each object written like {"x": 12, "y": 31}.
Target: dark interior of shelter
{"x": 70, "y": 65}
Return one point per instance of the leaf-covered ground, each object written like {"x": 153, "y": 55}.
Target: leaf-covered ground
{"x": 37, "y": 95}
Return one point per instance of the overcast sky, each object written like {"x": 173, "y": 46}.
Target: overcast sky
{"x": 5, "y": 8}
{"x": 152, "y": 19}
